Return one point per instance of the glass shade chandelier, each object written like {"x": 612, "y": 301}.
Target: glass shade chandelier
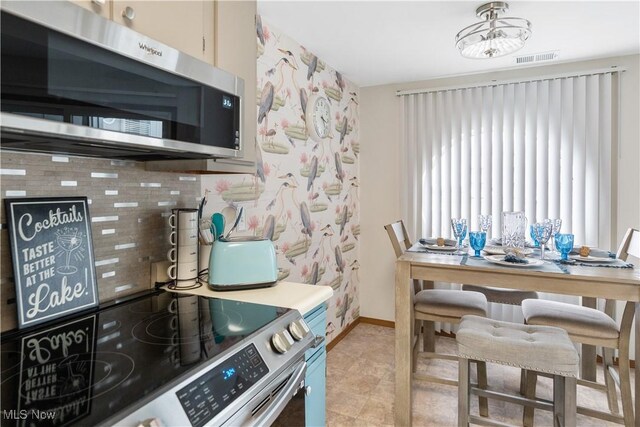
{"x": 494, "y": 36}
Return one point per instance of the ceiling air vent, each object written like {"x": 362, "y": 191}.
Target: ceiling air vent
{"x": 536, "y": 57}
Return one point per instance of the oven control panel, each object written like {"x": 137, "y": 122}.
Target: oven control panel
{"x": 205, "y": 397}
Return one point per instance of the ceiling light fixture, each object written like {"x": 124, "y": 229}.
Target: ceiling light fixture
{"x": 495, "y": 36}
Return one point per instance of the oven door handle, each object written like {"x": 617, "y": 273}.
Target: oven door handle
{"x": 274, "y": 409}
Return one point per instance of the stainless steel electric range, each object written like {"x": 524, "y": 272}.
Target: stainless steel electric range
{"x": 157, "y": 360}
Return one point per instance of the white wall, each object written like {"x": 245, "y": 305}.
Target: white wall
{"x": 380, "y": 167}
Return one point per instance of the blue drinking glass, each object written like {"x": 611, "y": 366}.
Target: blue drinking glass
{"x": 532, "y": 233}
{"x": 565, "y": 244}
{"x": 477, "y": 240}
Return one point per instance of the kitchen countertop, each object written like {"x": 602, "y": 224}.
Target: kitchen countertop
{"x": 298, "y": 296}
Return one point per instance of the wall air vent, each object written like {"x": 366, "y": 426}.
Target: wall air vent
{"x": 536, "y": 57}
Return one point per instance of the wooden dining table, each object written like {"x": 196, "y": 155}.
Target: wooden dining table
{"x": 621, "y": 284}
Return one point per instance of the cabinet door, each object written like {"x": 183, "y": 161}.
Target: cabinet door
{"x": 184, "y": 25}
{"x": 315, "y": 401}
{"x": 101, "y": 7}
{"x": 235, "y": 52}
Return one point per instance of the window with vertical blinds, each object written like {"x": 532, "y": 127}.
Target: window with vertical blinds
{"x": 543, "y": 147}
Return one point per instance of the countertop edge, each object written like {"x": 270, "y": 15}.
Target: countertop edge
{"x": 298, "y": 296}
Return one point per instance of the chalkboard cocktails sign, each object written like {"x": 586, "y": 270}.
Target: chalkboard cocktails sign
{"x": 53, "y": 262}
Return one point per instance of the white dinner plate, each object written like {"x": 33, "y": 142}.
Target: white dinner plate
{"x": 592, "y": 259}
{"x": 499, "y": 250}
{"x": 440, "y": 248}
{"x": 499, "y": 259}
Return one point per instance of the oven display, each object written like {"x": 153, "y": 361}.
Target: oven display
{"x": 207, "y": 396}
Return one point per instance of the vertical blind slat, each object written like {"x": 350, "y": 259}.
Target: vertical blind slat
{"x": 605, "y": 167}
{"x": 496, "y": 157}
{"x": 463, "y": 169}
{"x": 592, "y": 161}
{"x": 579, "y": 205}
{"x": 555, "y": 118}
{"x": 530, "y": 160}
{"x": 446, "y": 157}
{"x": 508, "y": 154}
{"x": 542, "y": 150}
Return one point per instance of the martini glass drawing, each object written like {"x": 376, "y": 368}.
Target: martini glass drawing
{"x": 69, "y": 240}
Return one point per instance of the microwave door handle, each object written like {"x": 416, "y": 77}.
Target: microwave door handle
{"x": 274, "y": 409}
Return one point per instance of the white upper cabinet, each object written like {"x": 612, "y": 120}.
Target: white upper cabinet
{"x": 101, "y": 7}
{"x": 184, "y": 25}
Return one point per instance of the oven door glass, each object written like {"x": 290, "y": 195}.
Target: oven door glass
{"x": 49, "y": 75}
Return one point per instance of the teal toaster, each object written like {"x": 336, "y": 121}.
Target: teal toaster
{"x": 242, "y": 263}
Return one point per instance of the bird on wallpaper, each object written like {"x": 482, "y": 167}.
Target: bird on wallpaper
{"x": 344, "y": 218}
{"x": 303, "y": 102}
{"x": 290, "y": 57}
{"x": 343, "y": 130}
{"x": 313, "y": 65}
{"x": 291, "y": 141}
{"x": 339, "y": 261}
{"x": 339, "y": 172}
{"x": 328, "y": 227}
{"x": 266, "y": 101}
{"x": 259, "y": 29}
{"x": 269, "y": 227}
{"x": 344, "y": 308}
{"x": 305, "y": 216}
{"x": 260, "y": 165}
{"x": 291, "y": 179}
{"x": 315, "y": 273}
{"x": 339, "y": 81}
{"x": 268, "y": 93}
{"x": 313, "y": 171}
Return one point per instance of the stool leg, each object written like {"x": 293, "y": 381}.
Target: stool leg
{"x": 530, "y": 393}
{"x": 625, "y": 388}
{"x": 463, "y": 392}
{"x": 558, "y": 401}
{"x": 523, "y": 381}
{"x": 612, "y": 397}
{"x": 482, "y": 384}
{"x": 570, "y": 409}
{"x": 428, "y": 336}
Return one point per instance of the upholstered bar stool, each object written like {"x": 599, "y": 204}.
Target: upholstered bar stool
{"x": 594, "y": 327}
{"x": 438, "y": 305}
{"x": 535, "y": 348}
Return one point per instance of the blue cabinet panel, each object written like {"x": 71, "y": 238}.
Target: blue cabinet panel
{"x": 315, "y": 402}
{"x": 316, "y": 378}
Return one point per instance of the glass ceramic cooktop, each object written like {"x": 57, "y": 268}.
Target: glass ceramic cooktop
{"x": 84, "y": 370}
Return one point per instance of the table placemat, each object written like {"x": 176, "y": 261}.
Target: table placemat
{"x": 547, "y": 267}
{"x": 615, "y": 264}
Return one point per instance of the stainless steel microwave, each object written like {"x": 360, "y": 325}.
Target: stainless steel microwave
{"x": 76, "y": 83}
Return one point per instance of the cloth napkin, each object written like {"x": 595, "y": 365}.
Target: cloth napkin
{"x": 434, "y": 240}
{"x": 599, "y": 253}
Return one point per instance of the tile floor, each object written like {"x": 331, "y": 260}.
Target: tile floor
{"x": 360, "y": 386}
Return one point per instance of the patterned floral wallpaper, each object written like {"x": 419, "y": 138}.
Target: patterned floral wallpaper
{"x": 304, "y": 194}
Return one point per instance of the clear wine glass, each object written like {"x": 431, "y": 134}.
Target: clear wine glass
{"x": 459, "y": 226}
{"x": 532, "y": 233}
{"x": 542, "y": 231}
{"x": 484, "y": 222}
{"x": 557, "y": 224}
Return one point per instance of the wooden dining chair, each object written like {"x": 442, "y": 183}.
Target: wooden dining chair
{"x": 438, "y": 305}
{"x": 593, "y": 327}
